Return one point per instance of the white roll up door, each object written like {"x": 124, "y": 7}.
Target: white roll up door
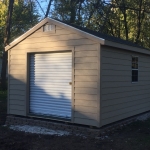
{"x": 50, "y": 91}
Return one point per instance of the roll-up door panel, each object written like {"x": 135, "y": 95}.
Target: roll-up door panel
{"x": 50, "y": 91}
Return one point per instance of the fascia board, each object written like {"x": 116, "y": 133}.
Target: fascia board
{"x": 78, "y": 31}
{"x": 63, "y": 25}
{"x": 127, "y": 47}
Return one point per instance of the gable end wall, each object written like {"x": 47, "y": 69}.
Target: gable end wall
{"x": 85, "y": 69}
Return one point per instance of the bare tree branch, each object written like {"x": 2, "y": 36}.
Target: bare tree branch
{"x": 127, "y": 7}
{"x": 48, "y": 8}
{"x": 31, "y": 9}
{"x": 139, "y": 21}
{"x": 40, "y": 7}
{"x": 8, "y": 22}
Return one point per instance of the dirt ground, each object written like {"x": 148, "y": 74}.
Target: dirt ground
{"x": 135, "y": 136}
{"x": 132, "y": 137}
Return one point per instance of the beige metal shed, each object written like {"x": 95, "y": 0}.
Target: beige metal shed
{"x": 62, "y": 72}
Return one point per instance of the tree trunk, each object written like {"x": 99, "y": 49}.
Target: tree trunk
{"x": 31, "y": 12}
{"x": 73, "y": 11}
{"x": 3, "y": 73}
{"x": 48, "y": 8}
{"x": 139, "y": 21}
{"x": 6, "y": 42}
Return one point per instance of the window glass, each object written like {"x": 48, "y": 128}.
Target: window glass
{"x": 48, "y": 27}
{"x": 134, "y": 69}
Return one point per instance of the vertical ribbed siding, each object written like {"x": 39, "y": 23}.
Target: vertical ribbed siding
{"x": 50, "y": 92}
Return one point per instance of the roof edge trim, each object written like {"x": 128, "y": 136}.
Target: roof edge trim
{"x": 59, "y": 23}
{"x": 127, "y": 47}
{"x": 98, "y": 39}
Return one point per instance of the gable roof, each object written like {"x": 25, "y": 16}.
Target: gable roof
{"x": 101, "y": 38}
{"x": 102, "y": 35}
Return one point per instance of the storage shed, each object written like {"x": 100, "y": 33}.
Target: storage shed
{"x": 62, "y": 72}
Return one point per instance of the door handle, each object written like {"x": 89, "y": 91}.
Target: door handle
{"x": 70, "y": 83}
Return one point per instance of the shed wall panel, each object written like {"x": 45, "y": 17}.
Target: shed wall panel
{"x": 48, "y": 44}
{"x": 16, "y": 111}
{"x": 87, "y": 103}
{"x": 85, "y": 71}
{"x": 85, "y": 86}
{"x": 85, "y": 121}
{"x": 17, "y": 102}
{"x": 85, "y": 115}
{"x": 120, "y": 97}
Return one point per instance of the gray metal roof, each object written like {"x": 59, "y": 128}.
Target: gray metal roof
{"x": 104, "y": 39}
{"x": 104, "y": 36}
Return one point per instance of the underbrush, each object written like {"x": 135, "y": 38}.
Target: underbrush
{"x": 3, "y": 94}
{"x": 3, "y": 102}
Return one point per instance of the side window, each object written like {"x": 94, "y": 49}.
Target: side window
{"x": 134, "y": 69}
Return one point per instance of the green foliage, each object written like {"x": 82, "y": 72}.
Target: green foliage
{"x": 3, "y": 94}
{"x": 24, "y": 17}
{"x": 68, "y": 10}
{"x": 3, "y": 11}
{"x": 126, "y": 19}
{"x": 130, "y": 20}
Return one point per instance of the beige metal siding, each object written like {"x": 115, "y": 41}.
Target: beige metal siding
{"x": 16, "y": 84}
{"x": 84, "y": 105}
{"x": 120, "y": 97}
{"x": 86, "y": 85}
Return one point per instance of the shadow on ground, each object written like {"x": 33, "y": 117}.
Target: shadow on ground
{"x": 135, "y": 136}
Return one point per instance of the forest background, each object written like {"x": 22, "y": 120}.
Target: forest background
{"x": 125, "y": 19}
